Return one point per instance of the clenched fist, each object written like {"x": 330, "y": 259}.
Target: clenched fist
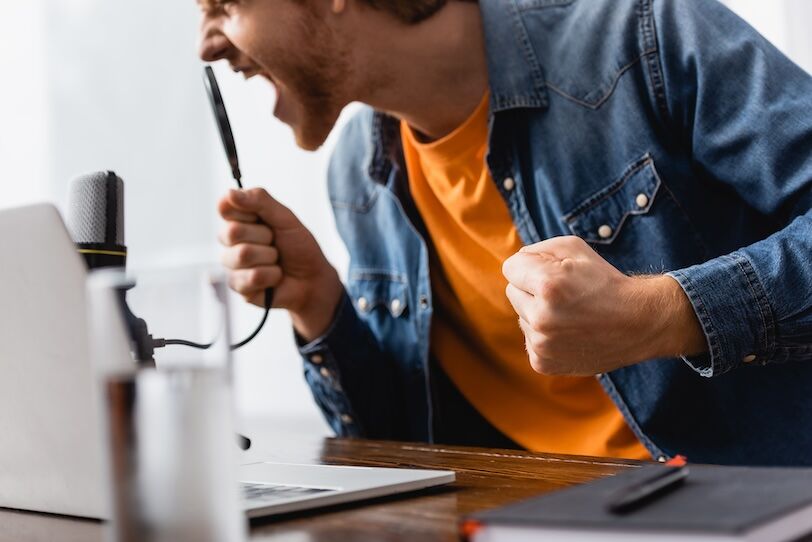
{"x": 581, "y": 316}
{"x": 267, "y": 246}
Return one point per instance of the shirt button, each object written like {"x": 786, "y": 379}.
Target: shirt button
{"x": 509, "y": 184}
{"x": 749, "y": 359}
{"x": 641, "y": 201}
{"x": 605, "y": 231}
{"x": 395, "y": 306}
{"x": 363, "y": 304}
{"x": 325, "y": 372}
{"x": 317, "y": 359}
{"x": 424, "y": 302}
{"x": 346, "y": 419}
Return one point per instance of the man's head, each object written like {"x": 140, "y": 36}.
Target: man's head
{"x": 305, "y": 48}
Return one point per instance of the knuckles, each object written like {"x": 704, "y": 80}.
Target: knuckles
{"x": 260, "y": 196}
{"x": 232, "y": 233}
{"x": 245, "y": 254}
{"x": 538, "y": 321}
{"x": 539, "y": 343}
{"x": 255, "y": 278}
{"x": 549, "y": 290}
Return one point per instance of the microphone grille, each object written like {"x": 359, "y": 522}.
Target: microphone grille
{"x": 96, "y": 209}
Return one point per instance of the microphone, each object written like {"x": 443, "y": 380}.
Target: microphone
{"x": 95, "y": 221}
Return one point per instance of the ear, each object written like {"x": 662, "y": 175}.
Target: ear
{"x": 339, "y": 6}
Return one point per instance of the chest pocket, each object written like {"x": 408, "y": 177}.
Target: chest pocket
{"x": 378, "y": 294}
{"x": 603, "y": 216}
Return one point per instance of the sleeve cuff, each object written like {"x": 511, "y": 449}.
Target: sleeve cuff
{"x": 733, "y": 310}
{"x": 333, "y": 338}
{"x": 323, "y": 374}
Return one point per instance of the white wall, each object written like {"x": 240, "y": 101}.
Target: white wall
{"x": 115, "y": 84}
{"x": 784, "y": 22}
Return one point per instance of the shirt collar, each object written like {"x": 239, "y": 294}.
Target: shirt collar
{"x": 516, "y": 79}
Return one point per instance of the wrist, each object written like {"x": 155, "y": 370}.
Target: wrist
{"x": 314, "y": 316}
{"x": 676, "y": 328}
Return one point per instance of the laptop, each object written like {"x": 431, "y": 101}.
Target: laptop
{"x": 51, "y": 459}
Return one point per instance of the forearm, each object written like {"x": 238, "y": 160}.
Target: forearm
{"x": 313, "y": 316}
{"x": 669, "y": 320}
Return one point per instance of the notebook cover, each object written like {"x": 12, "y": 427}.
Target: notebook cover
{"x": 713, "y": 500}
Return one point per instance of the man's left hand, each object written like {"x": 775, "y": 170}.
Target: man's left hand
{"x": 581, "y": 316}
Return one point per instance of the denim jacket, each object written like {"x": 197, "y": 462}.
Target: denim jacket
{"x": 671, "y": 137}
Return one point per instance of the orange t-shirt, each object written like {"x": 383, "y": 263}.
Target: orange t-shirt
{"x": 475, "y": 334}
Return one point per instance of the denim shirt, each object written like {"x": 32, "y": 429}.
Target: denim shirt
{"x": 671, "y": 137}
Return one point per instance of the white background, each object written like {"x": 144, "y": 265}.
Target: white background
{"x": 111, "y": 84}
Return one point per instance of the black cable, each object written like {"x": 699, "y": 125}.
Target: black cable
{"x": 159, "y": 343}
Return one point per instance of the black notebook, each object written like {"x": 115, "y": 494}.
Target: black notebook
{"x": 713, "y": 504}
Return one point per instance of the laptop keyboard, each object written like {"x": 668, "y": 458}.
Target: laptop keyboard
{"x": 271, "y": 493}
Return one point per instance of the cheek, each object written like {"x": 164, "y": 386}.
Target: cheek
{"x": 238, "y": 29}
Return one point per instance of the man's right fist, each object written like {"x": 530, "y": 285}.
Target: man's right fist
{"x": 266, "y": 246}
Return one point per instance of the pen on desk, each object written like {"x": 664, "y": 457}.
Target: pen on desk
{"x": 648, "y": 490}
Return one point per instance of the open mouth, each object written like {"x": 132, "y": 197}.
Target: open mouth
{"x": 246, "y": 72}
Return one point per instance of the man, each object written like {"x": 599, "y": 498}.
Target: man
{"x": 639, "y": 170}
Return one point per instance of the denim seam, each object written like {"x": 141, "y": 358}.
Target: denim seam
{"x": 333, "y": 391}
{"x": 538, "y": 75}
{"x": 364, "y": 208}
{"x": 613, "y": 393}
{"x": 649, "y": 26}
{"x": 377, "y": 274}
{"x": 530, "y": 5}
{"x": 609, "y": 92}
{"x": 625, "y": 217}
{"x": 518, "y": 205}
{"x": 501, "y": 103}
{"x": 765, "y": 311}
{"x": 717, "y": 365}
{"x": 592, "y": 201}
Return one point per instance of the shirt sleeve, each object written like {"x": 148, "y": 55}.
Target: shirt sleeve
{"x": 351, "y": 378}
{"x": 745, "y": 111}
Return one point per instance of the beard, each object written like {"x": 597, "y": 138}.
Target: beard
{"x": 314, "y": 90}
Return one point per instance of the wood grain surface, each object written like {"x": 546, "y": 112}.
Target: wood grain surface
{"x": 485, "y": 479}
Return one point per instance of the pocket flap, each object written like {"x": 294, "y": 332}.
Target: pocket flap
{"x": 373, "y": 289}
{"x": 600, "y": 218}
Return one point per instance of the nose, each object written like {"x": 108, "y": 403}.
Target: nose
{"x": 213, "y": 45}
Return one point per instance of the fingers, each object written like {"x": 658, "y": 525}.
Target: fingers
{"x": 229, "y": 212}
{"x": 245, "y": 256}
{"x": 252, "y": 283}
{"x": 256, "y": 202}
{"x": 559, "y": 248}
{"x": 527, "y": 271}
{"x": 521, "y": 301}
{"x": 536, "y": 361}
{"x": 238, "y": 232}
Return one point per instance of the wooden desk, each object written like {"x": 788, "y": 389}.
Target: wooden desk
{"x": 485, "y": 479}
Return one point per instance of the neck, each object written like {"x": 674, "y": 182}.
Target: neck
{"x": 433, "y": 75}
